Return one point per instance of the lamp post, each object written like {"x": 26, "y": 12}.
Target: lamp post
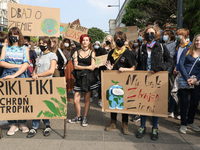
{"x": 180, "y": 14}
{"x": 115, "y": 5}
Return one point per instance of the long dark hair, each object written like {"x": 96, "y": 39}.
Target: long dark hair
{"x": 16, "y": 31}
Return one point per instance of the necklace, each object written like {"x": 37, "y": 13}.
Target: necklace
{"x": 85, "y": 50}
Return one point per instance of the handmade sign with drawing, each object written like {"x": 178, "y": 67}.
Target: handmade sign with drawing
{"x": 63, "y": 28}
{"x": 34, "y": 20}
{"x": 101, "y": 60}
{"x": 24, "y": 98}
{"x": 74, "y": 31}
{"x": 138, "y": 92}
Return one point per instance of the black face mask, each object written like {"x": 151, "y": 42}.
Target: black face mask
{"x": 14, "y": 39}
{"x": 150, "y": 37}
{"x": 43, "y": 48}
{"x": 26, "y": 44}
{"x": 120, "y": 43}
{"x": 107, "y": 42}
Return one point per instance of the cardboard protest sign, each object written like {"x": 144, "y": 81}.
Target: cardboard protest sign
{"x": 76, "y": 22}
{"x": 74, "y": 32}
{"x": 63, "y": 28}
{"x": 138, "y": 92}
{"x": 101, "y": 60}
{"x": 131, "y": 32}
{"x": 34, "y": 20}
{"x": 24, "y": 98}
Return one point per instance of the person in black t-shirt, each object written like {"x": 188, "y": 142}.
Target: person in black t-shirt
{"x": 121, "y": 59}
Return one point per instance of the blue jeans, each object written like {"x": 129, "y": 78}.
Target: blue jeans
{"x": 36, "y": 123}
{"x": 143, "y": 122}
{"x": 13, "y": 122}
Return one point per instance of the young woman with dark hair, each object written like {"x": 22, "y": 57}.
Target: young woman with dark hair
{"x": 45, "y": 67}
{"x": 15, "y": 61}
{"x": 122, "y": 59}
{"x": 85, "y": 80}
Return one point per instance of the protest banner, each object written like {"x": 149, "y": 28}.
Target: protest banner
{"x": 138, "y": 92}
{"x": 101, "y": 60}
{"x": 25, "y": 99}
{"x": 34, "y": 20}
{"x": 131, "y": 32}
{"x": 74, "y": 32}
{"x": 63, "y": 28}
{"x": 76, "y": 22}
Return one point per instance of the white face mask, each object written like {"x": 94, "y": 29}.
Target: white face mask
{"x": 66, "y": 44}
{"x": 135, "y": 44}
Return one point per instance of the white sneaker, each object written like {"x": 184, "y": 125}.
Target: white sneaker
{"x": 178, "y": 117}
{"x": 193, "y": 127}
{"x": 170, "y": 115}
{"x": 100, "y": 103}
{"x": 183, "y": 129}
{"x": 12, "y": 130}
{"x": 91, "y": 99}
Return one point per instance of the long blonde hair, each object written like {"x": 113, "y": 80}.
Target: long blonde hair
{"x": 192, "y": 46}
{"x": 112, "y": 43}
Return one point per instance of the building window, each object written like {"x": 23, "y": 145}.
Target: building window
{"x": 5, "y": 21}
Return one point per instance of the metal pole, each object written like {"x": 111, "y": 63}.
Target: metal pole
{"x": 119, "y": 5}
{"x": 180, "y": 14}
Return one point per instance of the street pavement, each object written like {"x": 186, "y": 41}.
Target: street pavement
{"x": 94, "y": 137}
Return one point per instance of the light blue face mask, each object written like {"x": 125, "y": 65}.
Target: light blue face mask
{"x": 140, "y": 38}
{"x": 96, "y": 47}
{"x": 165, "y": 38}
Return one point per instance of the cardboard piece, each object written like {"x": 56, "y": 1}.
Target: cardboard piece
{"x": 63, "y": 28}
{"x": 74, "y": 32}
{"x": 138, "y": 92}
{"x": 24, "y": 99}
{"x": 101, "y": 60}
{"x": 77, "y": 21}
{"x": 34, "y": 20}
{"x": 131, "y": 32}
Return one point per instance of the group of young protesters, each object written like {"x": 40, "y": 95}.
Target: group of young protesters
{"x": 155, "y": 50}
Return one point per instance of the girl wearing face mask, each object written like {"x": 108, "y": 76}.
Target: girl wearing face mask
{"x": 169, "y": 39}
{"x": 99, "y": 51}
{"x": 62, "y": 61}
{"x": 122, "y": 59}
{"x": 153, "y": 58}
{"x": 108, "y": 43}
{"x": 45, "y": 67}
{"x": 15, "y": 61}
{"x": 181, "y": 37}
{"x": 68, "y": 52}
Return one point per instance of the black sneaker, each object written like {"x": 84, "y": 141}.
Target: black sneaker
{"x": 75, "y": 120}
{"x": 85, "y": 122}
{"x": 31, "y": 133}
{"x": 154, "y": 134}
{"x": 135, "y": 118}
{"x": 47, "y": 131}
{"x": 141, "y": 132}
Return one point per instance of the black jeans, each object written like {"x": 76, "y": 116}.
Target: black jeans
{"x": 188, "y": 106}
{"x": 124, "y": 117}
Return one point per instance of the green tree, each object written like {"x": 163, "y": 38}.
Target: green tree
{"x": 34, "y": 39}
{"x": 96, "y": 34}
{"x": 191, "y": 19}
{"x": 139, "y": 12}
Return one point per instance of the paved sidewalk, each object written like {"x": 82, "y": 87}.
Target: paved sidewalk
{"x": 93, "y": 137}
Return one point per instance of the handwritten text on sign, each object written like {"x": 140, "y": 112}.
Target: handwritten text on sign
{"x": 138, "y": 92}
{"x": 74, "y": 32}
{"x": 33, "y": 20}
{"x": 32, "y": 99}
